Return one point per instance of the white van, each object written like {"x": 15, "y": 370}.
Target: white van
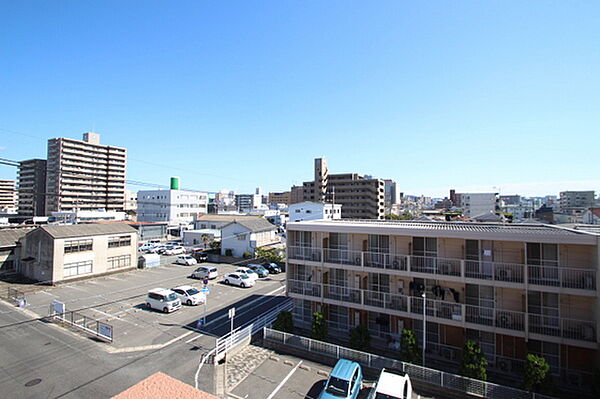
{"x": 163, "y": 299}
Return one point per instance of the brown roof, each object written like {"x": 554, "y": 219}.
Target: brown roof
{"x": 161, "y": 386}
{"x": 92, "y": 229}
{"x": 9, "y": 237}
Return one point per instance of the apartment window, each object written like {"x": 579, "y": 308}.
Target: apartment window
{"x": 78, "y": 246}
{"x": 77, "y": 268}
{"x": 424, "y": 246}
{"x": 542, "y": 254}
{"x": 119, "y": 241}
{"x": 379, "y": 282}
{"x": 379, "y": 323}
{"x": 115, "y": 262}
{"x": 378, "y": 243}
{"x": 203, "y": 226}
{"x": 213, "y": 226}
{"x": 339, "y": 277}
{"x": 485, "y": 340}
{"x": 338, "y": 317}
{"x": 548, "y": 350}
{"x": 241, "y": 237}
{"x": 338, "y": 241}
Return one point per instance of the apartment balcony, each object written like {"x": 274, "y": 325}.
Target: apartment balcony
{"x": 514, "y": 275}
{"x": 505, "y": 321}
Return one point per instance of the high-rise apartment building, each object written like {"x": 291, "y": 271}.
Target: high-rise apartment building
{"x": 8, "y": 195}
{"x": 576, "y": 201}
{"x": 361, "y": 198}
{"x": 32, "y": 187}
{"x": 391, "y": 194}
{"x": 514, "y": 289}
{"x": 85, "y": 175}
{"x": 296, "y": 194}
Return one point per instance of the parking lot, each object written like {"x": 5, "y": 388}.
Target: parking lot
{"x": 120, "y": 299}
{"x": 281, "y": 376}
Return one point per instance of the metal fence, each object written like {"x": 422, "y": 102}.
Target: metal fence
{"x": 426, "y": 375}
{"x": 232, "y": 339}
{"x": 84, "y": 323}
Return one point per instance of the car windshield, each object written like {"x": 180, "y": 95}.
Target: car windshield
{"x": 187, "y": 257}
{"x": 214, "y": 269}
{"x": 171, "y": 296}
{"x": 243, "y": 276}
{"x": 250, "y": 271}
{"x": 337, "y": 387}
{"x": 192, "y": 291}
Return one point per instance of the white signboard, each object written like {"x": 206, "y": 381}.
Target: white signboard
{"x": 231, "y": 312}
{"x": 105, "y": 330}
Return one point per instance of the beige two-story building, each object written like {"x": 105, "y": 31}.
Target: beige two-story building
{"x": 53, "y": 254}
{"x": 515, "y": 289}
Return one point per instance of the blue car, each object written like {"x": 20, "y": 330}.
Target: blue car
{"x": 259, "y": 270}
{"x": 345, "y": 381}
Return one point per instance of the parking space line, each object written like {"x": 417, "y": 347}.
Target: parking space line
{"x": 287, "y": 377}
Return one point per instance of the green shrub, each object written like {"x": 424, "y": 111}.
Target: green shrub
{"x": 247, "y": 255}
{"x": 409, "y": 350}
{"x": 284, "y": 322}
{"x": 360, "y": 338}
{"x": 473, "y": 363}
{"x": 536, "y": 373}
{"x": 319, "y": 327}
{"x": 228, "y": 252}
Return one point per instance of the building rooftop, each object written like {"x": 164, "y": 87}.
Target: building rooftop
{"x": 469, "y": 230}
{"x": 161, "y": 386}
{"x": 221, "y": 218}
{"x": 10, "y": 237}
{"x": 255, "y": 224}
{"x": 91, "y": 229}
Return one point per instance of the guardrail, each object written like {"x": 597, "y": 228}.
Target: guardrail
{"x": 234, "y": 338}
{"x": 84, "y": 323}
{"x": 426, "y": 375}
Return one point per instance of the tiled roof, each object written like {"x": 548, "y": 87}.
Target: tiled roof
{"x": 9, "y": 237}
{"x": 474, "y": 230}
{"x": 255, "y": 224}
{"x": 162, "y": 386}
{"x": 82, "y": 230}
{"x": 222, "y": 218}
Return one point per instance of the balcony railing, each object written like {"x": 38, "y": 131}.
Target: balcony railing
{"x": 579, "y": 330}
{"x": 549, "y": 276}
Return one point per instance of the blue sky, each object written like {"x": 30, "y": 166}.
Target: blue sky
{"x": 471, "y": 95}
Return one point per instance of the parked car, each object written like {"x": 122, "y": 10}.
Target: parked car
{"x": 189, "y": 295}
{"x": 203, "y": 272}
{"x": 174, "y": 250}
{"x": 173, "y": 243}
{"x": 259, "y": 270}
{"x": 148, "y": 248}
{"x": 185, "y": 260}
{"x": 345, "y": 381}
{"x": 200, "y": 255}
{"x": 163, "y": 299}
{"x": 160, "y": 249}
{"x": 273, "y": 268}
{"x": 154, "y": 242}
{"x": 248, "y": 272}
{"x": 391, "y": 385}
{"x": 238, "y": 279}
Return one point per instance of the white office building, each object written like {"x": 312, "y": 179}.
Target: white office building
{"x": 176, "y": 207}
{"x": 477, "y": 204}
{"x": 314, "y": 211}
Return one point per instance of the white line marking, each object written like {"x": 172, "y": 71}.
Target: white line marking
{"x": 192, "y": 339}
{"x": 284, "y": 381}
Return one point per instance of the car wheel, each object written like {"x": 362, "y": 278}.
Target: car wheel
{"x": 242, "y": 285}
{"x": 189, "y": 302}
{"x": 166, "y": 310}
{"x": 227, "y": 282}
{"x": 148, "y": 306}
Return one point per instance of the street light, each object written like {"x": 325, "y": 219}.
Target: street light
{"x": 424, "y": 324}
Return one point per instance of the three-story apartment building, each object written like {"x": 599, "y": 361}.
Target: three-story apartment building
{"x": 515, "y": 289}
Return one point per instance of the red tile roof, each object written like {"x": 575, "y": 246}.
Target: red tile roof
{"x": 161, "y": 386}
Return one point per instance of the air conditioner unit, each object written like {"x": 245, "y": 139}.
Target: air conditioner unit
{"x": 506, "y": 320}
{"x": 505, "y": 274}
{"x": 447, "y": 353}
{"x": 503, "y": 364}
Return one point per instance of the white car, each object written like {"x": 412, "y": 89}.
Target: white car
{"x": 248, "y": 272}
{"x": 186, "y": 260}
{"x": 203, "y": 272}
{"x": 163, "y": 299}
{"x": 392, "y": 385}
{"x": 174, "y": 251}
{"x": 241, "y": 280}
{"x": 149, "y": 248}
{"x": 189, "y": 295}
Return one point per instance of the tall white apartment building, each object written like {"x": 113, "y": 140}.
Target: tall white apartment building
{"x": 514, "y": 289}
{"x": 314, "y": 211}
{"x": 85, "y": 175}
{"x": 176, "y": 207}
{"x": 576, "y": 201}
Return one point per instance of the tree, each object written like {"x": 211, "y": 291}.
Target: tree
{"x": 409, "y": 350}
{"x": 269, "y": 255}
{"x": 205, "y": 239}
{"x": 246, "y": 255}
{"x": 536, "y": 372}
{"x": 360, "y": 338}
{"x": 474, "y": 362}
{"x": 406, "y": 215}
{"x": 284, "y": 322}
{"x": 319, "y": 327}
{"x": 215, "y": 245}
